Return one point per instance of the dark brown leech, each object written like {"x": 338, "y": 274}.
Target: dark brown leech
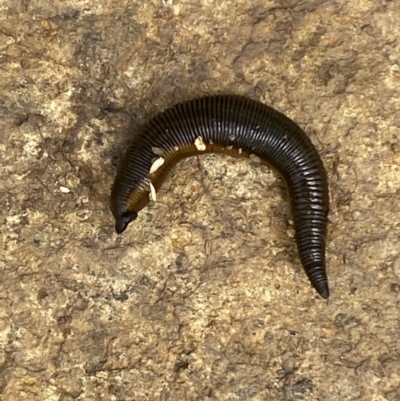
{"x": 239, "y": 127}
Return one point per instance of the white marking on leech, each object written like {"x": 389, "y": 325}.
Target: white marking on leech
{"x": 229, "y": 147}
{"x": 211, "y": 142}
{"x": 240, "y": 151}
{"x": 176, "y": 148}
{"x": 157, "y": 164}
{"x": 231, "y": 137}
{"x": 199, "y": 143}
{"x": 153, "y": 193}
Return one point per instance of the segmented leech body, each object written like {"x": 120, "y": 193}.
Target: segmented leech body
{"x": 242, "y": 128}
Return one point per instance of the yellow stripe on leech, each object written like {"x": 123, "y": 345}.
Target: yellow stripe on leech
{"x": 147, "y": 189}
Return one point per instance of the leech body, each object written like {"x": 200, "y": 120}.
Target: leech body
{"x": 239, "y": 127}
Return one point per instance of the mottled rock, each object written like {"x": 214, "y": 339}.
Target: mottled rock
{"x": 203, "y": 298}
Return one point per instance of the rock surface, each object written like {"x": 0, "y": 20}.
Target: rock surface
{"x": 203, "y": 298}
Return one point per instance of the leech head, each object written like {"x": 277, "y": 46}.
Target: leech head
{"x": 122, "y": 221}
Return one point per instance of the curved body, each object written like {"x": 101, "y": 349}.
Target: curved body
{"x": 239, "y": 127}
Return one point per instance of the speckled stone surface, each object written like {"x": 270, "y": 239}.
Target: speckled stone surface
{"x": 203, "y": 298}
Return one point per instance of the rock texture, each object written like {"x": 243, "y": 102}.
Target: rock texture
{"x": 203, "y": 298}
